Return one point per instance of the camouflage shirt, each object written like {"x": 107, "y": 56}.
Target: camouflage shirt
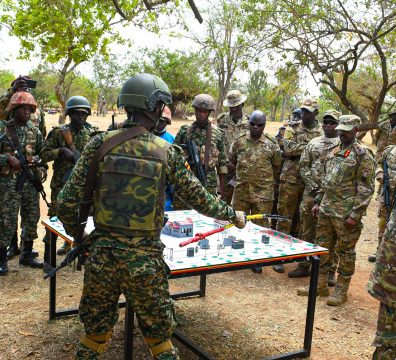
{"x": 312, "y": 161}
{"x": 389, "y": 154}
{"x": 176, "y": 173}
{"x": 348, "y": 182}
{"x": 218, "y": 157}
{"x": 386, "y": 135}
{"x": 295, "y": 140}
{"x": 30, "y": 141}
{"x": 231, "y": 128}
{"x": 51, "y": 148}
{"x": 257, "y": 164}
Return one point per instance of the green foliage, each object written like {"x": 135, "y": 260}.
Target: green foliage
{"x": 6, "y": 78}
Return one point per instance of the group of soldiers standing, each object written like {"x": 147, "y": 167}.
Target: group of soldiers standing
{"x": 318, "y": 175}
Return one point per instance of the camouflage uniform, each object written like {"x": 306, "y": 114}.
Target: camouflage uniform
{"x": 218, "y": 158}
{"x": 291, "y": 184}
{"x": 346, "y": 191}
{"x": 30, "y": 140}
{"x": 386, "y": 136}
{"x": 257, "y": 164}
{"x": 132, "y": 265}
{"x": 381, "y": 286}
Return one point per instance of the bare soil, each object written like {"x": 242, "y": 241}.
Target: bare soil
{"x": 243, "y": 316}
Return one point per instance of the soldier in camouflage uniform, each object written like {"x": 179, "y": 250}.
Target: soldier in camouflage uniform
{"x": 382, "y": 285}
{"x": 24, "y": 135}
{"x": 126, "y": 254}
{"x": 346, "y": 191}
{"x": 64, "y": 154}
{"x": 386, "y": 136}
{"x": 291, "y": 184}
{"x": 233, "y": 123}
{"x": 213, "y": 158}
{"x": 311, "y": 170}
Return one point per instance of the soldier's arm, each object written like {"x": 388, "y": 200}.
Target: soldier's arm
{"x": 276, "y": 160}
{"x": 364, "y": 186}
{"x": 72, "y": 193}
{"x": 190, "y": 189}
{"x": 4, "y": 99}
{"x": 305, "y": 169}
{"x": 50, "y": 149}
{"x": 291, "y": 146}
{"x": 179, "y": 139}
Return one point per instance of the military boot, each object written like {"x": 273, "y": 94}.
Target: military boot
{"x": 3, "y": 261}
{"x": 302, "y": 270}
{"x": 27, "y": 258}
{"x": 321, "y": 290}
{"x": 279, "y": 268}
{"x": 331, "y": 281}
{"x": 34, "y": 252}
{"x": 13, "y": 248}
{"x": 64, "y": 249}
{"x": 339, "y": 295}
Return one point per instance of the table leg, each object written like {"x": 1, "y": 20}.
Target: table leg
{"x": 202, "y": 285}
{"x": 52, "y": 289}
{"x": 129, "y": 325}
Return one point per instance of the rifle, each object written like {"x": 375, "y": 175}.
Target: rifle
{"x": 67, "y": 136}
{"x": 194, "y": 160}
{"x": 26, "y": 171}
{"x": 201, "y": 236}
{"x": 386, "y": 189}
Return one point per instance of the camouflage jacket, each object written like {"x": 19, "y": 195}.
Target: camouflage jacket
{"x": 51, "y": 148}
{"x": 30, "y": 141}
{"x": 257, "y": 164}
{"x": 176, "y": 174}
{"x": 348, "y": 182}
{"x": 389, "y": 155}
{"x": 385, "y": 136}
{"x": 382, "y": 280}
{"x": 218, "y": 157}
{"x": 295, "y": 140}
{"x": 37, "y": 118}
{"x": 231, "y": 129}
{"x": 312, "y": 162}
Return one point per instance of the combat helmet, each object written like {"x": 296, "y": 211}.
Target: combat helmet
{"x": 204, "y": 102}
{"x": 21, "y": 98}
{"x": 77, "y": 103}
{"x": 143, "y": 91}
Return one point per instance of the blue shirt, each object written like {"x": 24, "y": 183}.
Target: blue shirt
{"x": 169, "y": 190}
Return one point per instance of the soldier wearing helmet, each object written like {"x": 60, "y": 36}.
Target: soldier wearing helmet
{"x": 210, "y": 142}
{"x": 128, "y": 216}
{"x": 233, "y": 123}
{"x": 24, "y": 135}
{"x": 63, "y": 146}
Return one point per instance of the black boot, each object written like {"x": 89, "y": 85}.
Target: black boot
{"x": 34, "y": 252}
{"x": 13, "y": 248}
{"x": 27, "y": 258}
{"x": 3, "y": 261}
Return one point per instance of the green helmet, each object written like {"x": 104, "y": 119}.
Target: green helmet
{"x": 78, "y": 103}
{"x": 143, "y": 91}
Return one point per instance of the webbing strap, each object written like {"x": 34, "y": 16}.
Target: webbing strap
{"x": 160, "y": 348}
{"x": 91, "y": 342}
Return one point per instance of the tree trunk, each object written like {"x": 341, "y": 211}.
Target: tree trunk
{"x": 62, "y": 101}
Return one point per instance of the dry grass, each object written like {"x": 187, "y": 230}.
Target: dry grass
{"x": 244, "y": 316}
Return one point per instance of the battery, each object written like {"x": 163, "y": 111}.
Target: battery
{"x": 238, "y": 244}
{"x": 190, "y": 252}
{"x": 265, "y": 239}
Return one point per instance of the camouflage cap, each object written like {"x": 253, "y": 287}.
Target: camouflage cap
{"x": 334, "y": 114}
{"x": 310, "y": 104}
{"x": 234, "y": 98}
{"x": 348, "y": 122}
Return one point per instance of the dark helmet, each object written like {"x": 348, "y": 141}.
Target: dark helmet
{"x": 77, "y": 103}
{"x": 143, "y": 91}
{"x": 296, "y": 112}
{"x": 257, "y": 114}
{"x": 204, "y": 102}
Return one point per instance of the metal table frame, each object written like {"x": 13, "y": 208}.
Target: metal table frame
{"x": 202, "y": 273}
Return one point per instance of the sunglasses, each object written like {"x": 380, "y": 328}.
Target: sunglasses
{"x": 253, "y": 124}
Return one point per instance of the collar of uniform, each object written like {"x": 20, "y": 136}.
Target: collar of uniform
{"x": 241, "y": 121}
{"x": 201, "y": 128}
{"x": 260, "y": 139}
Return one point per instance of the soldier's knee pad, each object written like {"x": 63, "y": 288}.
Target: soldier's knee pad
{"x": 97, "y": 343}
{"x": 157, "y": 346}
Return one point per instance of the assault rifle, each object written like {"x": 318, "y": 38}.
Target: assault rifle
{"x": 386, "y": 190}
{"x": 67, "y": 136}
{"x": 26, "y": 171}
{"x": 194, "y": 160}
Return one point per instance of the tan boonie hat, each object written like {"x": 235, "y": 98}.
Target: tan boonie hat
{"x": 334, "y": 114}
{"x": 348, "y": 122}
{"x": 234, "y": 98}
{"x": 310, "y": 104}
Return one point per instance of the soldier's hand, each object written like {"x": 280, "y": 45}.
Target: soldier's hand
{"x": 13, "y": 162}
{"x": 380, "y": 176}
{"x": 315, "y": 210}
{"x": 66, "y": 154}
{"x": 240, "y": 219}
{"x": 350, "y": 223}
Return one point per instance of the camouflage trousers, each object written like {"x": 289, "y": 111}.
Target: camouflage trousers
{"x": 248, "y": 207}
{"x": 27, "y": 202}
{"x": 385, "y": 339}
{"x": 290, "y": 197}
{"x": 142, "y": 279}
{"x": 332, "y": 234}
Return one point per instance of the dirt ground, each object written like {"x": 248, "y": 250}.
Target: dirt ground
{"x": 244, "y": 316}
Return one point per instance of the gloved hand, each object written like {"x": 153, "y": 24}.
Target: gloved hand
{"x": 240, "y": 219}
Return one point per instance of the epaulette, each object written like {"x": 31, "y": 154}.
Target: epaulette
{"x": 270, "y": 137}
